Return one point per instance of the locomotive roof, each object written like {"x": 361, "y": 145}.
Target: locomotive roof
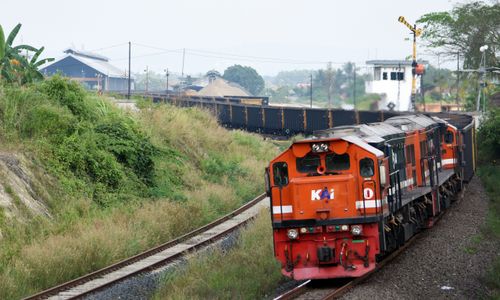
{"x": 411, "y": 122}
{"x": 348, "y": 136}
{"x": 374, "y": 133}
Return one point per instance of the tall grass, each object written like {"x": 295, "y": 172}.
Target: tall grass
{"x": 247, "y": 271}
{"x": 489, "y": 172}
{"x": 489, "y": 175}
{"x": 116, "y": 183}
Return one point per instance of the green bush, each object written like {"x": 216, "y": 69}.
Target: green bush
{"x": 130, "y": 147}
{"x": 489, "y": 171}
{"x": 115, "y": 182}
{"x": 69, "y": 94}
{"x": 489, "y": 137}
{"x": 216, "y": 167}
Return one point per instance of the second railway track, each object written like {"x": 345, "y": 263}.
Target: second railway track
{"x": 156, "y": 257}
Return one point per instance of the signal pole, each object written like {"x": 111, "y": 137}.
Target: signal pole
{"x": 416, "y": 32}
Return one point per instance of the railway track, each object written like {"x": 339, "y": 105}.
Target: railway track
{"x": 332, "y": 289}
{"x": 156, "y": 257}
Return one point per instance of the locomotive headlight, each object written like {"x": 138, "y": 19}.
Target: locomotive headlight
{"x": 319, "y": 147}
{"x": 303, "y": 230}
{"x": 292, "y": 234}
{"x": 344, "y": 227}
{"x": 356, "y": 229}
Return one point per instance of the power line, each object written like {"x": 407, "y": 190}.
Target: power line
{"x": 109, "y": 47}
{"x": 274, "y": 59}
{"x": 232, "y": 56}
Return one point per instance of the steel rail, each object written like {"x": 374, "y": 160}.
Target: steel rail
{"x": 149, "y": 253}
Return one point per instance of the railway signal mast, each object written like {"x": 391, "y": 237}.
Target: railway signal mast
{"x": 416, "y": 69}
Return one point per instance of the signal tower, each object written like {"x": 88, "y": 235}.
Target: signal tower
{"x": 417, "y": 69}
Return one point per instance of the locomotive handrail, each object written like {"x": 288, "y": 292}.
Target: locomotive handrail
{"x": 395, "y": 195}
{"x": 374, "y": 196}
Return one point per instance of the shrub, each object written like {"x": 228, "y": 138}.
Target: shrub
{"x": 130, "y": 147}
{"x": 489, "y": 136}
{"x": 68, "y": 93}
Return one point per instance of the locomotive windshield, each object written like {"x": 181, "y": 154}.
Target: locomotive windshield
{"x": 366, "y": 167}
{"x": 308, "y": 163}
{"x": 336, "y": 162}
{"x": 280, "y": 170}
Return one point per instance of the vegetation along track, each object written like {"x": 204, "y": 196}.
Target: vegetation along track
{"x": 156, "y": 257}
{"x": 334, "y": 288}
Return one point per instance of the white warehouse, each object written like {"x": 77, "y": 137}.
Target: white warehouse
{"x": 392, "y": 80}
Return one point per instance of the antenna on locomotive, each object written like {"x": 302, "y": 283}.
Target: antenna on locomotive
{"x": 416, "y": 70}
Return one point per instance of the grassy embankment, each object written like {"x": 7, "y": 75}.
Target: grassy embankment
{"x": 489, "y": 172}
{"x": 115, "y": 182}
{"x": 246, "y": 271}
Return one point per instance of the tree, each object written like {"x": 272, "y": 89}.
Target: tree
{"x": 463, "y": 30}
{"x": 247, "y": 77}
{"x": 292, "y": 78}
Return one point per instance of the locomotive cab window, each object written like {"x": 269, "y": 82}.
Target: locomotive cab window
{"x": 448, "y": 137}
{"x": 308, "y": 163}
{"x": 366, "y": 167}
{"x": 280, "y": 172}
{"x": 336, "y": 162}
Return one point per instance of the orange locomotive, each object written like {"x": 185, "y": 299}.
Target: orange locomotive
{"x": 346, "y": 197}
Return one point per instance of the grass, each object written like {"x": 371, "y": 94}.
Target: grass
{"x": 115, "y": 182}
{"x": 489, "y": 175}
{"x": 247, "y": 271}
{"x": 489, "y": 172}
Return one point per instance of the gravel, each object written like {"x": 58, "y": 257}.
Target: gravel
{"x": 144, "y": 286}
{"x": 448, "y": 261}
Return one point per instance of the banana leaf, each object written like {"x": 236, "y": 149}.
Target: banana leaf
{"x": 36, "y": 55}
{"x": 25, "y": 47}
{"x": 43, "y": 61}
{"x": 12, "y": 35}
{"x": 2, "y": 43}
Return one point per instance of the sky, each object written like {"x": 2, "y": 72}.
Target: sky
{"x": 268, "y": 35}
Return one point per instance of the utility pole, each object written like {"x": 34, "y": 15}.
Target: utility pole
{"x": 458, "y": 77}
{"x": 354, "y": 87}
{"x": 129, "y": 63}
{"x": 167, "y": 74}
{"x": 147, "y": 78}
{"x": 399, "y": 84}
{"x": 416, "y": 32}
{"x": 183, "y": 58}
{"x": 311, "y": 90}
{"x": 422, "y": 92}
{"x": 439, "y": 82}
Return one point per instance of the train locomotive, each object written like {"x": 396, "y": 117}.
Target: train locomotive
{"x": 348, "y": 196}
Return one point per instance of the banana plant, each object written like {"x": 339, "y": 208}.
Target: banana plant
{"x": 2, "y": 43}
{"x": 13, "y": 65}
{"x": 32, "y": 72}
